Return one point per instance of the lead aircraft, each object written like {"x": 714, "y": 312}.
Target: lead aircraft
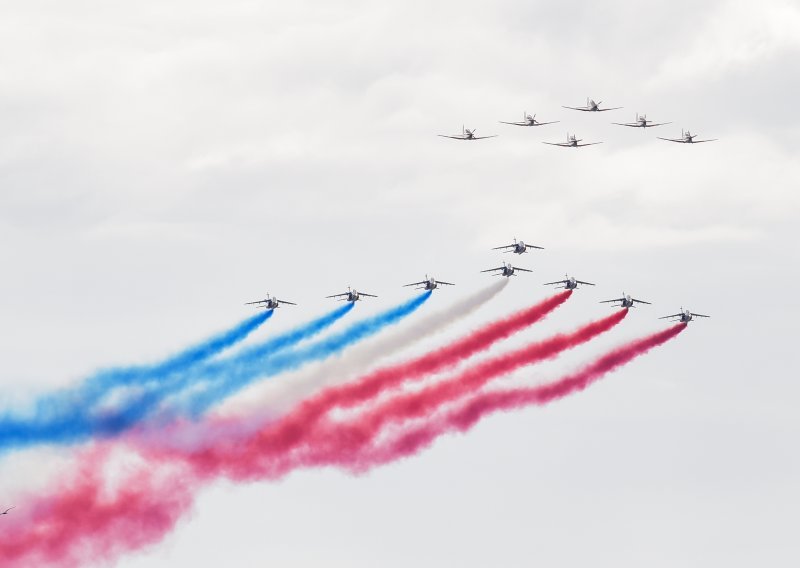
{"x": 591, "y": 106}
{"x": 518, "y": 247}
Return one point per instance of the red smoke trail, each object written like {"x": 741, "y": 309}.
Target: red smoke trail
{"x": 274, "y": 444}
{"x": 279, "y": 437}
{"x": 81, "y": 523}
{"x": 465, "y": 416}
{"x": 86, "y": 520}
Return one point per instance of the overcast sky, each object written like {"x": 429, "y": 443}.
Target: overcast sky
{"x": 163, "y": 162}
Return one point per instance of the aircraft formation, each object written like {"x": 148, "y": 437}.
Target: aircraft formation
{"x": 572, "y": 140}
{"x": 506, "y": 269}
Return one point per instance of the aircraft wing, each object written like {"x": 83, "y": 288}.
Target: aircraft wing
{"x": 285, "y": 302}
{"x": 456, "y": 137}
{"x": 627, "y": 124}
{"x": 445, "y": 283}
{"x": 258, "y": 302}
{"x": 556, "y": 282}
{"x": 522, "y": 269}
{"x": 680, "y": 140}
{"x": 492, "y": 269}
{"x": 577, "y": 108}
{"x": 337, "y": 295}
{"x": 482, "y": 137}
{"x": 587, "y": 144}
{"x": 658, "y": 124}
{"x": 543, "y": 123}
{"x": 562, "y": 144}
{"x": 605, "y": 109}
{"x": 641, "y": 301}
{"x": 609, "y": 301}
{"x": 533, "y": 246}
{"x": 582, "y": 282}
{"x": 368, "y": 295}
{"x": 700, "y": 315}
{"x": 701, "y": 141}
{"x": 505, "y": 247}
{"x": 672, "y": 316}
{"x": 413, "y": 284}
{"x": 513, "y": 123}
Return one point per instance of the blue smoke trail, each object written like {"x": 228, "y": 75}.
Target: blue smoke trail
{"x": 70, "y": 416}
{"x": 238, "y": 377}
{"x": 98, "y": 386}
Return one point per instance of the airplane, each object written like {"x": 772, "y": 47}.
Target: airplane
{"x": 685, "y": 316}
{"x": 518, "y": 246}
{"x": 687, "y": 138}
{"x": 570, "y": 283}
{"x": 430, "y": 283}
{"x": 591, "y": 106}
{"x": 351, "y": 295}
{"x": 507, "y": 270}
{"x": 7, "y": 510}
{"x": 270, "y": 303}
{"x": 641, "y": 122}
{"x": 572, "y": 142}
{"x": 528, "y": 120}
{"x": 626, "y": 301}
{"x": 466, "y": 134}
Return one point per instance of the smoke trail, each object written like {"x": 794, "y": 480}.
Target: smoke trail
{"x": 288, "y": 429}
{"x": 465, "y": 416}
{"x": 303, "y": 427}
{"x": 362, "y": 356}
{"x": 82, "y": 523}
{"x": 90, "y": 519}
{"x": 236, "y": 378}
{"x": 54, "y": 411}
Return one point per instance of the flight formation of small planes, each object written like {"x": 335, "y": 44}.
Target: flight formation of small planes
{"x": 572, "y": 140}
{"x": 506, "y": 269}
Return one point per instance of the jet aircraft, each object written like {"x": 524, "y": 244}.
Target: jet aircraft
{"x": 528, "y": 120}
{"x": 572, "y": 142}
{"x": 351, "y": 295}
{"x": 641, "y": 122}
{"x": 685, "y": 316}
{"x": 687, "y": 138}
{"x": 518, "y": 247}
{"x": 7, "y": 510}
{"x": 270, "y": 303}
{"x": 626, "y": 301}
{"x": 570, "y": 283}
{"x": 430, "y": 283}
{"x": 466, "y": 134}
{"x": 507, "y": 270}
{"x": 591, "y": 106}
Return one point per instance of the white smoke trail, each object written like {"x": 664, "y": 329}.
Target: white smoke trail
{"x": 281, "y": 395}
